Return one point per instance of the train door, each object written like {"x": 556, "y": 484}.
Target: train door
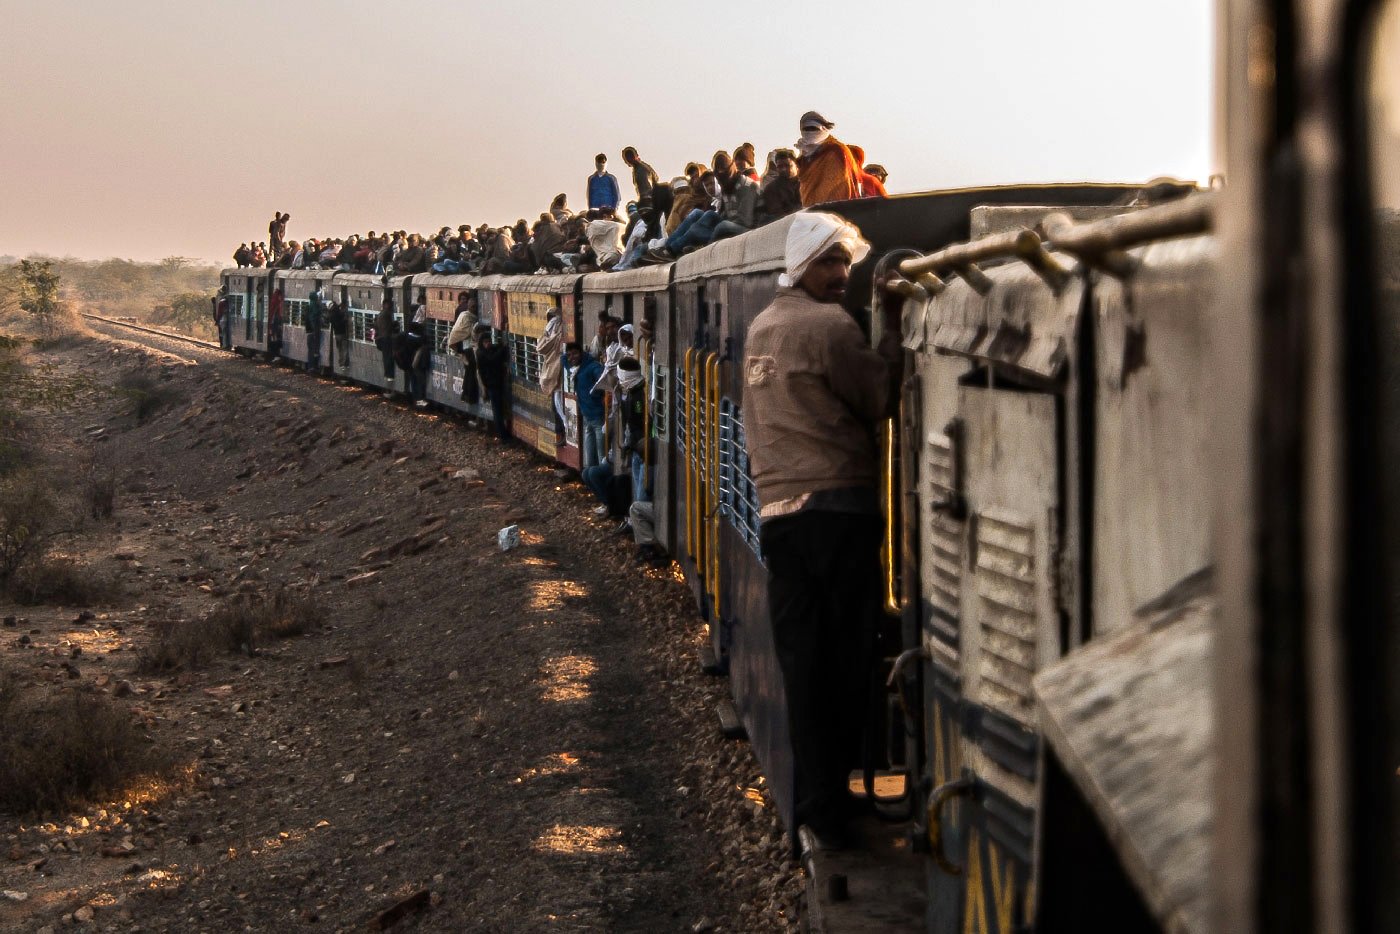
{"x": 659, "y": 416}
{"x": 249, "y": 310}
{"x": 261, "y": 310}
{"x": 1010, "y": 628}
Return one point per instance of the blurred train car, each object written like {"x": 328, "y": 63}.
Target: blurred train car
{"x": 522, "y": 308}
{"x": 247, "y": 302}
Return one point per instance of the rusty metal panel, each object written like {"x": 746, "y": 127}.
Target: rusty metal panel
{"x": 1010, "y": 615}
{"x": 1152, "y": 481}
{"x": 1021, "y": 323}
{"x": 956, "y": 319}
{"x": 943, "y": 531}
{"x": 1132, "y": 718}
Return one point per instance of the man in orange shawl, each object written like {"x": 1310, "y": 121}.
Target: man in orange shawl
{"x": 827, "y": 170}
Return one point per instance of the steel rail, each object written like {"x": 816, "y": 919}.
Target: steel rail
{"x": 211, "y": 345}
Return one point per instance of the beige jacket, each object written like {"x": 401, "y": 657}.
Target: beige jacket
{"x": 814, "y": 391}
{"x": 550, "y": 347}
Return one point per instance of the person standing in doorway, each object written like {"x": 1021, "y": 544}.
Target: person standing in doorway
{"x": 315, "y": 321}
{"x": 814, "y": 392}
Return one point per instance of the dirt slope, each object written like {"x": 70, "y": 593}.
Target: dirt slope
{"x": 509, "y": 741}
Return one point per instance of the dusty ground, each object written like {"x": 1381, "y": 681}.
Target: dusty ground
{"x": 522, "y": 740}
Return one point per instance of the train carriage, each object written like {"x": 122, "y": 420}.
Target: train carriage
{"x": 447, "y": 373}
{"x": 297, "y": 285}
{"x": 522, "y": 306}
{"x": 636, "y": 296}
{"x": 247, "y": 302}
{"x": 1044, "y": 444}
{"x": 362, "y": 296}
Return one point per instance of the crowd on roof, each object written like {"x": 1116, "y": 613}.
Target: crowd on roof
{"x": 665, "y": 220}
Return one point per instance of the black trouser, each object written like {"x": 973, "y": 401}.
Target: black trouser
{"x": 824, "y": 602}
{"x": 387, "y": 356}
{"x": 498, "y": 411}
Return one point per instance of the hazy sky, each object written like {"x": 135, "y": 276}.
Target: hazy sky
{"x": 151, "y": 128}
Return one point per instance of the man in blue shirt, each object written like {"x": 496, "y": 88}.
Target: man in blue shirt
{"x": 592, "y": 440}
{"x": 602, "y": 187}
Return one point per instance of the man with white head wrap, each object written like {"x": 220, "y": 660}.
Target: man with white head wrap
{"x": 814, "y": 394}
{"x": 828, "y": 169}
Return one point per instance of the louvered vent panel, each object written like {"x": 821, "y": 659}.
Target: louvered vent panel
{"x": 1006, "y": 597}
{"x": 944, "y": 539}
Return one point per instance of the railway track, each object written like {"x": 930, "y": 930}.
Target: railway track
{"x": 168, "y": 335}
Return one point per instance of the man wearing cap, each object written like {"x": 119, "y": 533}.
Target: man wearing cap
{"x": 828, "y": 171}
{"x": 814, "y": 395}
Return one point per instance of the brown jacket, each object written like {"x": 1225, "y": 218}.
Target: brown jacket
{"x": 814, "y": 390}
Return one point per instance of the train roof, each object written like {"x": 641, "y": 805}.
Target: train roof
{"x": 358, "y": 278}
{"x": 641, "y": 279}
{"x": 252, "y": 272}
{"x": 758, "y": 250}
{"x": 549, "y": 284}
{"x": 459, "y": 281}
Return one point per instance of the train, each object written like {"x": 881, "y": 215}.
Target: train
{"x": 1068, "y": 610}
{"x": 980, "y": 492}
{"x": 1141, "y": 632}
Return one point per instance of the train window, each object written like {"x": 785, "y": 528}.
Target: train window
{"x": 738, "y": 493}
{"x": 660, "y": 402}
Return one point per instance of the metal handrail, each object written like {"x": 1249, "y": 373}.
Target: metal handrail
{"x": 1191, "y": 215}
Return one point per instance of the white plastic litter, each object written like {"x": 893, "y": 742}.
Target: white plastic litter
{"x": 508, "y": 537}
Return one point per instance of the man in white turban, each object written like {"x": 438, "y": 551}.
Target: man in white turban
{"x": 814, "y": 393}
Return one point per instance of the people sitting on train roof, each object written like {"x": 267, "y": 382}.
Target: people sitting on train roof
{"x": 696, "y": 230}
{"x": 636, "y": 247}
{"x": 828, "y": 170}
{"x": 870, "y": 186}
{"x": 605, "y": 238}
{"x": 738, "y": 200}
{"x": 521, "y": 259}
{"x": 284, "y": 261}
{"x": 242, "y": 256}
{"x": 780, "y": 192}
{"x": 689, "y": 194}
{"x": 559, "y": 208}
{"x": 413, "y": 259}
{"x": 259, "y": 259}
{"x": 330, "y": 256}
{"x": 602, "y": 186}
{"x": 814, "y": 391}
{"x": 547, "y": 238}
{"x": 876, "y": 173}
{"x": 744, "y": 156}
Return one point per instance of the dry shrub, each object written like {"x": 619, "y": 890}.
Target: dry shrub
{"x": 146, "y": 396}
{"x": 100, "y": 490}
{"x": 65, "y": 582}
{"x": 288, "y": 613}
{"x": 28, "y": 507}
{"x": 236, "y": 625}
{"x": 67, "y": 750}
